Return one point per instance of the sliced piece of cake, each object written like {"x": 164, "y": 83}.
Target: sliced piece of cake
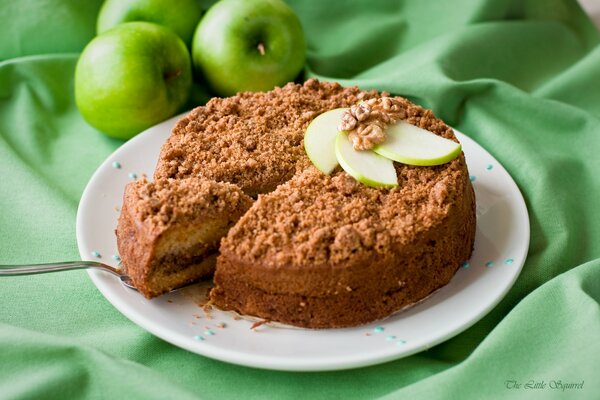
{"x": 169, "y": 230}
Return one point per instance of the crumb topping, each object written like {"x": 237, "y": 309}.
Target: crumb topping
{"x": 320, "y": 219}
{"x": 164, "y": 202}
{"x": 253, "y": 140}
{"x": 302, "y": 217}
{"x": 366, "y": 121}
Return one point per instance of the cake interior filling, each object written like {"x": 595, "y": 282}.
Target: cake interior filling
{"x": 188, "y": 253}
{"x": 167, "y": 277}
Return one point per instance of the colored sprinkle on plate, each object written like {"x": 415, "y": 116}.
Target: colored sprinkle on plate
{"x": 378, "y": 329}
{"x": 489, "y": 264}
{"x": 199, "y": 338}
{"x": 390, "y": 338}
{"x": 116, "y": 165}
{"x": 209, "y": 333}
{"x": 96, "y": 254}
{"x": 509, "y": 261}
{"x": 133, "y": 175}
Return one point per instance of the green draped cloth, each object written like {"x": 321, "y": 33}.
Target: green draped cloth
{"x": 520, "y": 77}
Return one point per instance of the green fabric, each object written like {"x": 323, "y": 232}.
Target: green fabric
{"x": 520, "y": 77}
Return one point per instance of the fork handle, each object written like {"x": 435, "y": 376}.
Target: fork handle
{"x": 30, "y": 269}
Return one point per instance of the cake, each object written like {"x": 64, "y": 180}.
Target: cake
{"x": 326, "y": 251}
{"x": 168, "y": 232}
{"x": 313, "y": 250}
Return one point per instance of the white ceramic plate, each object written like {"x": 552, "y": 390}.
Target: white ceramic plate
{"x": 500, "y": 249}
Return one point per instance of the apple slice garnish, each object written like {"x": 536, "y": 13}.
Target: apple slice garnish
{"x": 319, "y": 140}
{"x": 365, "y": 166}
{"x": 412, "y": 145}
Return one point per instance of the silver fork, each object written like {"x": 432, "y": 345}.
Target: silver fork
{"x": 13, "y": 270}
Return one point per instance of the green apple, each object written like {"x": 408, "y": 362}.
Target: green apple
{"x": 319, "y": 140}
{"x": 365, "y": 166}
{"x": 181, "y": 16}
{"x": 248, "y": 45}
{"x": 412, "y": 145}
{"x": 132, "y": 77}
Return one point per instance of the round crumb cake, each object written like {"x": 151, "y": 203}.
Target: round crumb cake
{"x": 316, "y": 250}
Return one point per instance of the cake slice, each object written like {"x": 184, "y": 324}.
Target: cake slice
{"x": 169, "y": 230}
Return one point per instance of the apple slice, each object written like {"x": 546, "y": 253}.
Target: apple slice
{"x": 365, "y": 166}
{"x": 412, "y": 145}
{"x": 319, "y": 140}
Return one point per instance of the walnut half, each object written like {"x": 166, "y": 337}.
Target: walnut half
{"x": 366, "y": 121}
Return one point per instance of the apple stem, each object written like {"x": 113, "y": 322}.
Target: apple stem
{"x": 261, "y": 48}
{"x": 172, "y": 75}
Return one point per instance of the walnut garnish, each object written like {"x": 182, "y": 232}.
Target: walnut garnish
{"x": 365, "y": 122}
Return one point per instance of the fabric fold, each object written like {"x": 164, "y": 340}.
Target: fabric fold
{"x": 519, "y": 77}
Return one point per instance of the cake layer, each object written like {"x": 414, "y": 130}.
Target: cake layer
{"x": 343, "y": 309}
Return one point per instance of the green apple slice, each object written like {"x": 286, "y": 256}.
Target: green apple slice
{"x": 319, "y": 140}
{"x": 365, "y": 166}
{"x": 412, "y": 145}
